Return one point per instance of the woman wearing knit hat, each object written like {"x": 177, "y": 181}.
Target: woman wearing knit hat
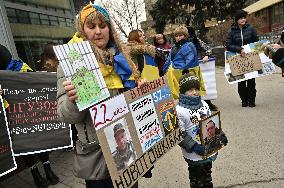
{"x": 93, "y": 24}
{"x": 181, "y": 60}
{"x": 242, "y": 33}
{"x": 190, "y": 110}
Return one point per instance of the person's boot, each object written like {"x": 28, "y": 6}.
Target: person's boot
{"x": 50, "y": 176}
{"x": 40, "y": 182}
{"x": 244, "y": 103}
{"x": 251, "y": 104}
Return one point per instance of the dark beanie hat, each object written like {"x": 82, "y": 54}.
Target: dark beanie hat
{"x": 5, "y": 57}
{"x": 240, "y": 14}
{"x": 187, "y": 82}
{"x": 278, "y": 58}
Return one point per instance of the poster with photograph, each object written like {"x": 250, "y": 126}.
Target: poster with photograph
{"x": 267, "y": 66}
{"x": 121, "y": 144}
{"x": 7, "y": 160}
{"x": 210, "y": 134}
{"x": 80, "y": 66}
{"x": 135, "y": 129}
{"x": 32, "y": 113}
{"x": 209, "y": 77}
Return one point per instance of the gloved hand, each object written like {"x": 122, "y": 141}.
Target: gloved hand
{"x": 224, "y": 139}
{"x": 198, "y": 149}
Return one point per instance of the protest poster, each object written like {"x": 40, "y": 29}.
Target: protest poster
{"x": 80, "y": 66}
{"x": 135, "y": 129}
{"x": 32, "y": 113}
{"x": 7, "y": 160}
{"x": 210, "y": 134}
{"x": 240, "y": 65}
{"x": 209, "y": 77}
{"x": 267, "y": 66}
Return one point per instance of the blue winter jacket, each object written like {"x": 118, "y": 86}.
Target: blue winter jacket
{"x": 238, "y": 37}
{"x": 185, "y": 58}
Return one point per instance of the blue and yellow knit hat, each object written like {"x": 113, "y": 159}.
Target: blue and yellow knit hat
{"x": 89, "y": 9}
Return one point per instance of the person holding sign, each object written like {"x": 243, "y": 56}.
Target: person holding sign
{"x": 183, "y": 58}
{"x": 242, "y": 33}
{"x": 93, "y": 24}
{"x": 202, "y": 52}
{"x": 190, "y": 110}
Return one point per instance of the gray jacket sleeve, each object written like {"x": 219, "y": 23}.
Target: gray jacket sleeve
{"x": 67, "y": 110}
{"x": 187, "y": 142}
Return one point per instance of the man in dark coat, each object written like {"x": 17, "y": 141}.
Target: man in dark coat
{"x": 242, "y": 33}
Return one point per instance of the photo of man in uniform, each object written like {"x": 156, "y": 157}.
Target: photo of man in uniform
{"x": 212, "y": 140}
{"x": 124, "y": 154}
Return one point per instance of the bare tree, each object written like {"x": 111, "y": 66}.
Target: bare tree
{"x": 126, "y": 14}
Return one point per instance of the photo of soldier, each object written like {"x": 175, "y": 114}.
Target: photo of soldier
{"x": 124, "y": 153}
{"x": 212, "y": 139}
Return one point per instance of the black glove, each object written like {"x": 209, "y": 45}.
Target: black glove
{"x": 198, "y": 149}
{"x": 224, "y": 139}
{"x": 187, "y": 142}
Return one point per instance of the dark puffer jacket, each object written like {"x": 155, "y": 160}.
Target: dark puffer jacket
{"x": 238, "y": 37}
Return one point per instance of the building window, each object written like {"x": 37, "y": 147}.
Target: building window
{"x": 59, "y": 10}
{"x": 62, "y": 22}
{"x": 69, "y": 23}
{"x": 11, "y": 13}
{"x": 44, "y": 19}
{"x": 278, "y": 13}
{"x": 53, "y": 20}
{"x": 34, "y": 17}
{"x": 23, "y": 16}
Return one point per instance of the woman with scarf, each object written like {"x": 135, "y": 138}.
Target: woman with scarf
{"x": 243, "y": 33}
{"x": 182, "y": 59}
{"x": 93, "y": 24}
{"x": 143, "y": 55}
{"x": 160, "y": 42}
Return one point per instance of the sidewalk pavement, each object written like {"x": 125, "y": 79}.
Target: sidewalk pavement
{"x": 62, "y": 165}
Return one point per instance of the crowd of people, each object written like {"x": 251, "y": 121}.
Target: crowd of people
{"x": 126, "y": 66}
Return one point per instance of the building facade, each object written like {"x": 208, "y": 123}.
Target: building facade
{"x": 28, "y": 25}
{"x": 272, "y": 14}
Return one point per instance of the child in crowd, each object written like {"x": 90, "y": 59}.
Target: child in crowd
{"x": 190, "y": 109}
{"x": 183, "y": 59}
